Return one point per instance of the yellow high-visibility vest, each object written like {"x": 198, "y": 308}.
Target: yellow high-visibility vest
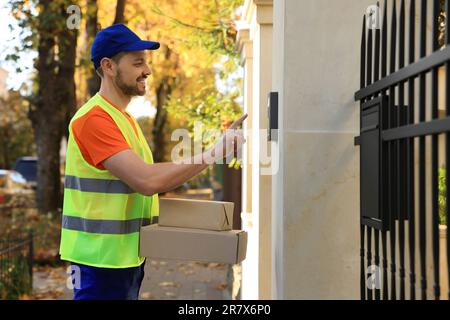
{"x": 102, "y": 216}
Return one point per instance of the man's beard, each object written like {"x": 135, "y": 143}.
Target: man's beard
{"x": 129, "y": 90}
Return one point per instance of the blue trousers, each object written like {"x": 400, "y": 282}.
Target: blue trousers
{"x": 107, "y": 283}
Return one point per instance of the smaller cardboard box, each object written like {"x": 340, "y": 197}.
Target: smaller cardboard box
{"x": 158, "y": 242}
{"x": 196, "y": 214}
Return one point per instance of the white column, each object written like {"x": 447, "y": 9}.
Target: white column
{"x": 245, "y": 49}
{"x": 249, "y": 280}
{"x": 256, "y": 269}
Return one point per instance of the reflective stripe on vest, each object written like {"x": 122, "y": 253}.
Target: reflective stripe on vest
{"x": 104, "y": 226}
{"x": 96, "y": 185}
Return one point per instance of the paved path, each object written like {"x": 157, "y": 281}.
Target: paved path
{"x": 168, "y": 280}
{"x": 50, "y": 284}
{"x": 164, "y": 280}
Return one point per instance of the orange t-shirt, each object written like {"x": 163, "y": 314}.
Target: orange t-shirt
{"x": 98, "y": 136}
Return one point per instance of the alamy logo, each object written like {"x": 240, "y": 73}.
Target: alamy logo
{"x": 191, "y": 144}
{"x": 73, "y": 21}
{"x": 373, "y": 278}
{"x": 373, "y": 17}
{"x": 74, "y": 278}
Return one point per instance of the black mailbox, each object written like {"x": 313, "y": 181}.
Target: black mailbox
{"x": 373, "y": 159}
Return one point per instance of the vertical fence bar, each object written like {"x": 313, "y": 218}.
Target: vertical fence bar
{"x": 363, "y": 56}
{"x": 392, "y": 189}
{"x": 376, "y": 77}
{"x": 384, "y": 44}
{"x": 410, "y": 155}
{"x": 422, "y": 190}
{"x": 369, "y": 57}
{"x": 383, "y": 93}
{"x": 363, "y": 269}
{"x": 363, "y": 228}
{"x": 377, "y": 263}
{"x": 368, "y": 82}
{"x": 369, "y": 258}
{"x": 447, "y": 139}
{"x": 434, "y": 157}
{"x": 400, "y": 160}
{"x": 385, "y": 266}
{"x": 376, "y": 72}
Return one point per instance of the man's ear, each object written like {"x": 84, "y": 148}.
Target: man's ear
{"x": 107, "y": 66}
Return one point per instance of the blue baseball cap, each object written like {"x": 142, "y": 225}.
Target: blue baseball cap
{"x": 117, "y": 38}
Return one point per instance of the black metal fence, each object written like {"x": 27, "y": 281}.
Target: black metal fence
{"x": 16, "y": 267}
{"x": 404, "y": 145}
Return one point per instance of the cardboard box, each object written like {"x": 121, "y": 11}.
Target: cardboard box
{"x": 158, "y": 242}
{"x": 196, "y": 214}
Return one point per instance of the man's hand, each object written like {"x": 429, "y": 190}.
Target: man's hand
{"x": 238, "y": 122}
{"x": 239, "y": 139}
{"x": 229, "y": 143}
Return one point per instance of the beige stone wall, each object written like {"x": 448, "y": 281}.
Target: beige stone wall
{"x": 316, "y": 192}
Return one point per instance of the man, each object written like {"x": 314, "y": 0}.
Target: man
{"x": 111, "y": 184}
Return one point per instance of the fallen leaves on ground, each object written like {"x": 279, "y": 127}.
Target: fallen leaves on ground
{"x": 221, "y": 286}
{"x": 49, "y": 294}
{"x": 170, "y": 294}
{"x": 50, "y": 283}
{"x": 169, "y": 284}
{"x": 148, "y": 296}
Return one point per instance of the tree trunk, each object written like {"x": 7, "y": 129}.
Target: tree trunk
{"x": 5, "y": 164}
{"x": 66, "y": 84}
{"x": 92, "y": 27}
{"x": 48, "y": 140}
{"x": 55, "y": 102}
{"x": 120, "y": 12}
{"x": 159, "y": 143}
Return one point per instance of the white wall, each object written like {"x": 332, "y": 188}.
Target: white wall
{"x": 316, "y": 192}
